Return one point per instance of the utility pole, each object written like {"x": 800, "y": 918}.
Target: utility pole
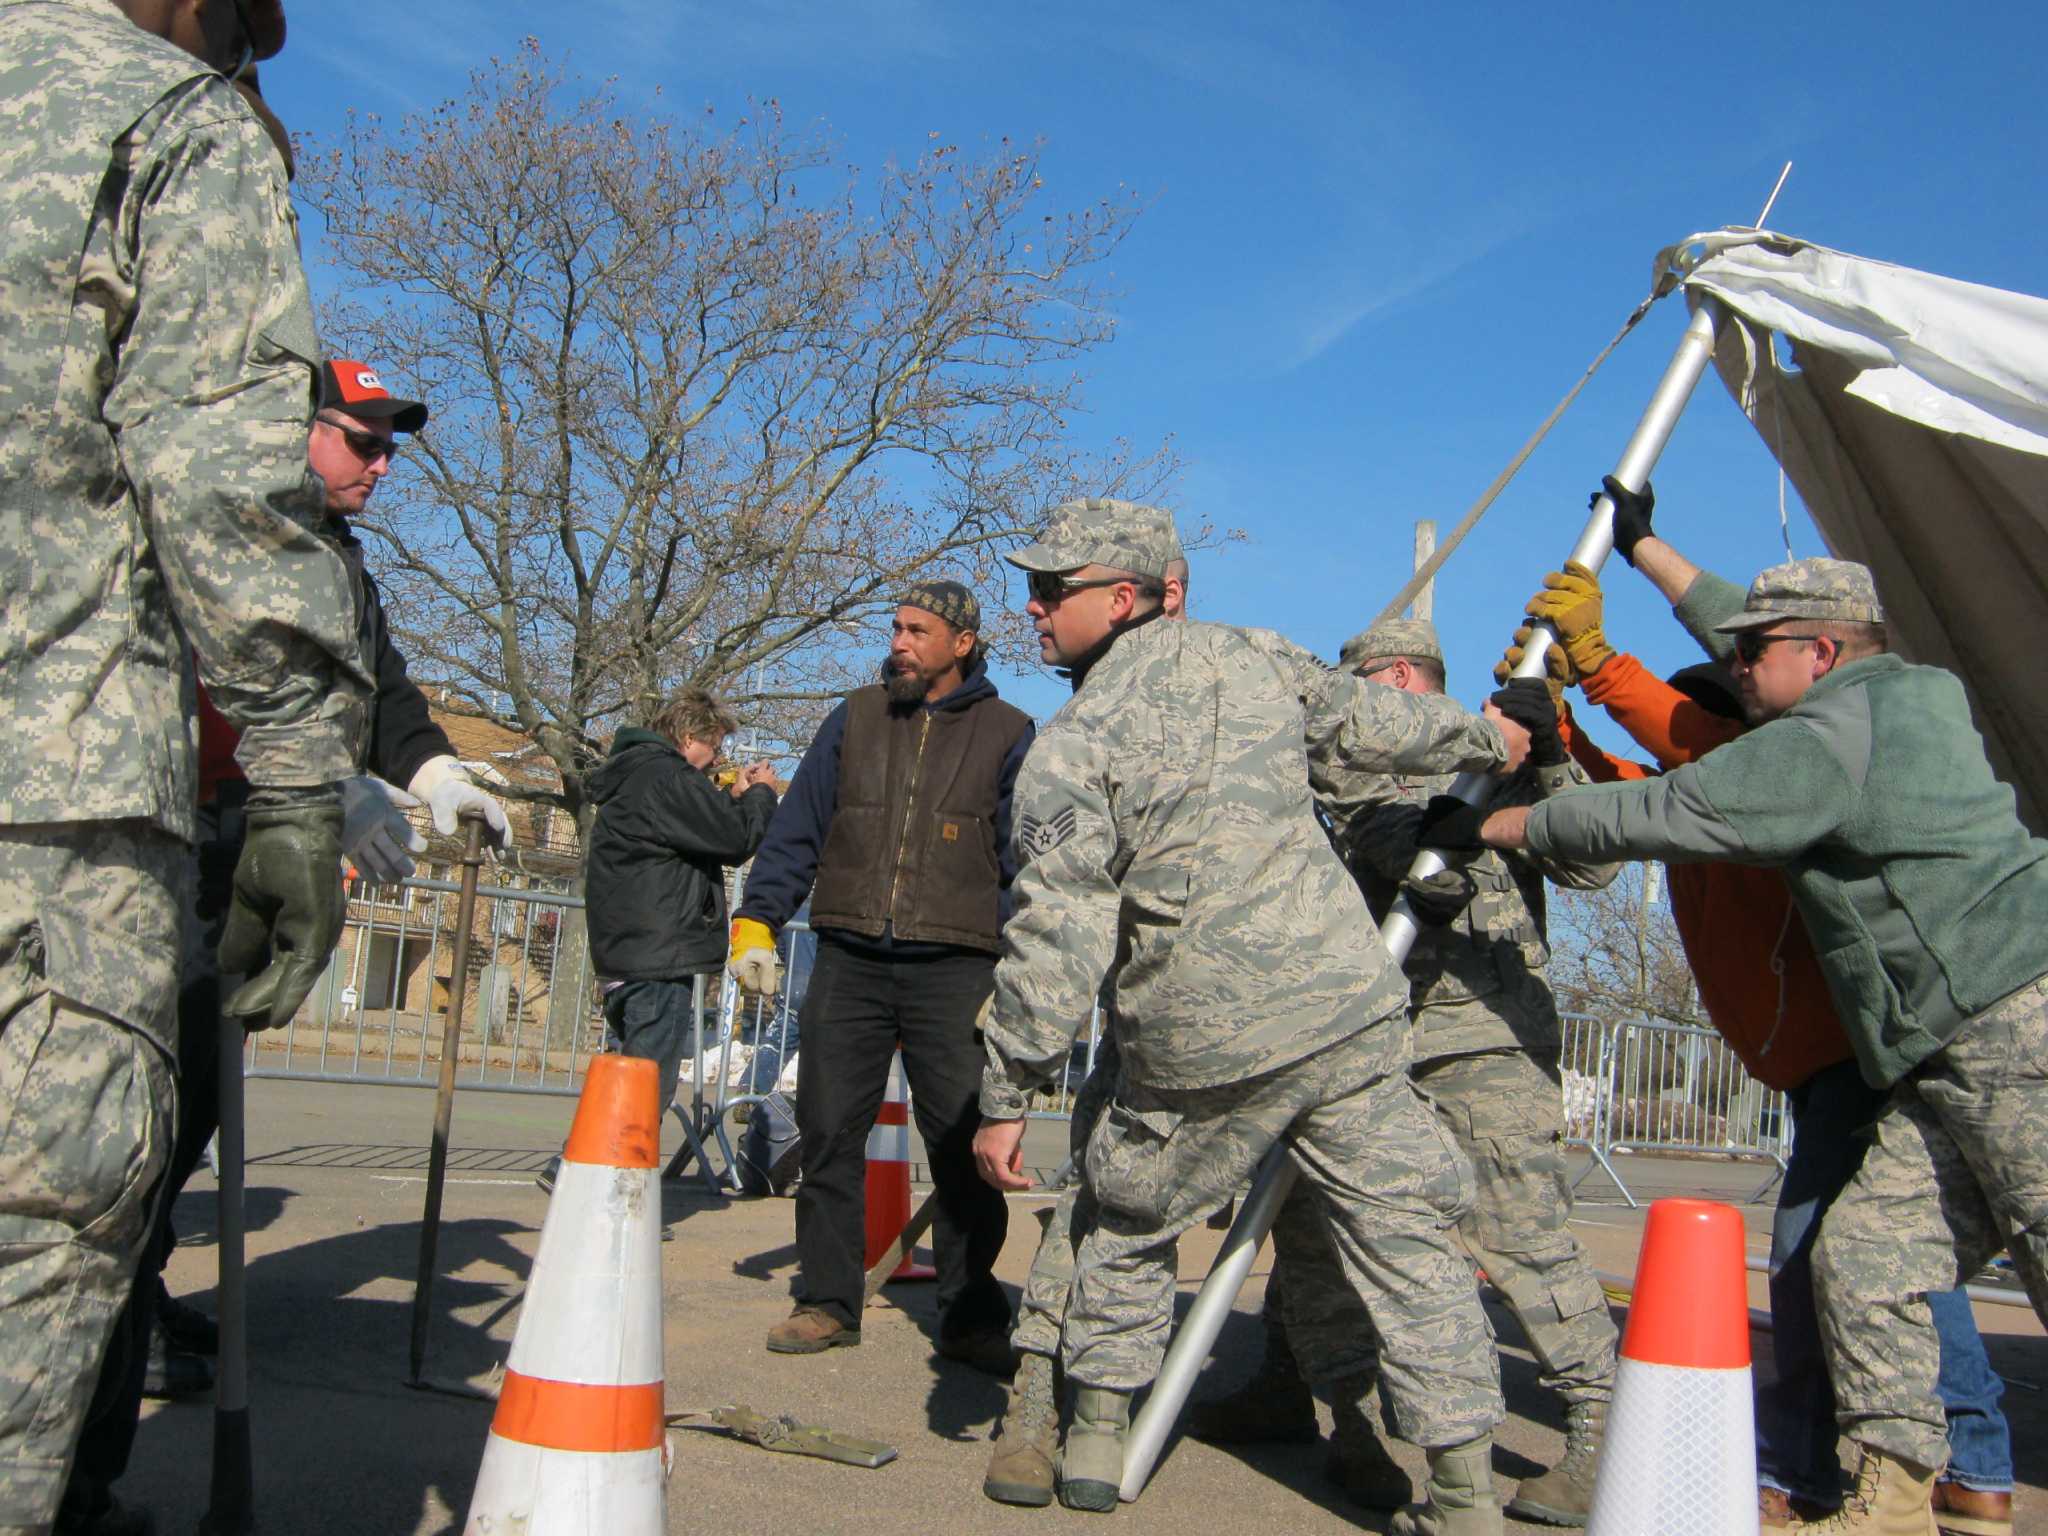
{"x": 1425, "y": 546}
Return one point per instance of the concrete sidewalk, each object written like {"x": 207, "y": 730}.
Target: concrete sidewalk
{"x": 336, "y": 1181}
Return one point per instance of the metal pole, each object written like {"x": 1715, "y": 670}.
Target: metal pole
{"x": 444, "y": 1099}
{"x": 231, "y": 1508}
{"x": 1197, "y": 1336}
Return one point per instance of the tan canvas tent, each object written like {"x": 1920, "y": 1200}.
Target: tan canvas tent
{"x": 1911, "y": 413}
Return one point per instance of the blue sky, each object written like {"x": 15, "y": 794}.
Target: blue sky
{"x": 1380, "y": 241}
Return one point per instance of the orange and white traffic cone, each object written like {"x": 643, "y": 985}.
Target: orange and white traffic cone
{"x": 1679, "y": 1455}
{"x": 888, "y": 1191}
{"x": 578, "y": 1445}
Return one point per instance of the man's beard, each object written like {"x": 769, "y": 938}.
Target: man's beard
{"x": 903, "y": 687}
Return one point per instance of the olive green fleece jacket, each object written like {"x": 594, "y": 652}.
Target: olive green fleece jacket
{"x": 1926, "y": 898}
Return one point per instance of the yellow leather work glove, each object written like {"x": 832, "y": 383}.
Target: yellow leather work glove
{"x": 1558, "y": 671}
{"x": 751, "y": 961}
{"x": 1571, "y": 603}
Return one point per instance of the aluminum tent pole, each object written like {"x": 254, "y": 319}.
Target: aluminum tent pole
{"x": 1275, "y": 1177}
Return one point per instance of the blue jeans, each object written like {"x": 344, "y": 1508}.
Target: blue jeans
{"x": 652, "y": 1020}
{"x": 1796, "y": 1433}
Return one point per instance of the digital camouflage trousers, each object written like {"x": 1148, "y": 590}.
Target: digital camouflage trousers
{"x": 1956, "y": 1170}
{"x": 1389, "y": 1178}
{"x": 89, "y": 917}
{"x": 1506, "y": 1113}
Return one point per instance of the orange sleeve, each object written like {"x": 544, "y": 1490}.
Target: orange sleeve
{"x": 1663, "y": 721}
{"x": 1601, "y": 766}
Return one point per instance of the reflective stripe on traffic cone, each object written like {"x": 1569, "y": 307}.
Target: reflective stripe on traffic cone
{"x": 577, "y": 1446}
{"x": 888, "y": 1192}
{"x": 1679, "y": 1457}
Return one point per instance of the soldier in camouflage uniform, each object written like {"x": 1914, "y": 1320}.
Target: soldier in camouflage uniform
{"x": 1486, "y": 1060}
{"x": 1020, "y": 1469}
{"x": 158, "y": 380}
{"x": 1927, "y": 901}
{"x": 1166, "y": 816}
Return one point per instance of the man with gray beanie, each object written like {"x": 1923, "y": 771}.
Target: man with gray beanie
{"x": 1166, "y": 840}
{"x": 897, "y": 827}
{"x": 1927, "y": 902}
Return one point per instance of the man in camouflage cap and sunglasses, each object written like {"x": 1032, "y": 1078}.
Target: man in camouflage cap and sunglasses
{"x": 159, "y": 374}
{"x": 1166, "y": 836}
{"x": 1927, "y": 901}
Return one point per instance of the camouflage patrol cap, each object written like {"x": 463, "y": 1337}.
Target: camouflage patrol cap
{"x": 1829, "y": 590}
{"x": 1392, "y": 637}
{"x": 1099, "y": 530}
{"x": 947, "y": 600}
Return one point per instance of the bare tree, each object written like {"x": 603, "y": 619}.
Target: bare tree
{"x": 703, "y": 400}
{"x": 1616, "y": 955}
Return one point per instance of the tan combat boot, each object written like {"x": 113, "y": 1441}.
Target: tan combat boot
{"x": 1092, "y": 1465}
{"x": 1359, "y": 1460}
{"x": 1564, "y": 1494}
{"x": 1021, "y": 1469}
{"x": 1460, "y": 1495}
{"x": 1891, "y": 1498}
{"x": 1275, "y": 1406}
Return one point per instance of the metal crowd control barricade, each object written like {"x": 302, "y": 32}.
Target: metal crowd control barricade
{"x": 771, "y": 1023}
{"x": 530, "y": 1016}
{"x": 1657, "y": 1087}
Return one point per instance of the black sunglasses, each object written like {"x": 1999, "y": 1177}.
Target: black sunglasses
{"x": 367, "y": 446}
{"x": 1050, "y": 587}
{"x": 1750, "y": 645}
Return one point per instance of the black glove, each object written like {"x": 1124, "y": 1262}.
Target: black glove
{"x": 1440, "y": 898}
{"x": 1527, "y": 702}
{"x": 287, "y": 900}
{"x": 1449, "y": 825}
{"x": 1631, "y": 515}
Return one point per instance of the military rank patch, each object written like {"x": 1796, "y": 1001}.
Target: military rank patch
{"x": 1037, "y": 835}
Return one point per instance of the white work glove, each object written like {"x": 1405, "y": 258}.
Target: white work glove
{"x": 449, "y": 791}
{"x": 375, "y": 836}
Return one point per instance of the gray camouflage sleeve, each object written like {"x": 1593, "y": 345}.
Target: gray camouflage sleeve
{"x": 1357, "y": 731}
{"x": 211, "y": 402}
{"x": 1062, "y": 935}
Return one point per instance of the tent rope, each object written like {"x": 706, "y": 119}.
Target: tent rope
{"x": 1428, "y": 569}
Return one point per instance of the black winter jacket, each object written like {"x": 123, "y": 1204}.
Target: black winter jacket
{"x": 653, "y": 878}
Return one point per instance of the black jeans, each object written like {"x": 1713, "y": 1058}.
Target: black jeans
{"x": 858, "y": 1010}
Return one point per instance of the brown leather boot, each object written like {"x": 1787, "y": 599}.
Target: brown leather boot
{"x": 809, "y": 1331}
{"x": 1960, "y": 1511}
{"x": 1891, "y": 1498}
{"x": 1020, "y": 1471}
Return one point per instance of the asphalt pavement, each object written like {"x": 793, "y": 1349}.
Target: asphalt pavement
{"x": 336, "y": 1183}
